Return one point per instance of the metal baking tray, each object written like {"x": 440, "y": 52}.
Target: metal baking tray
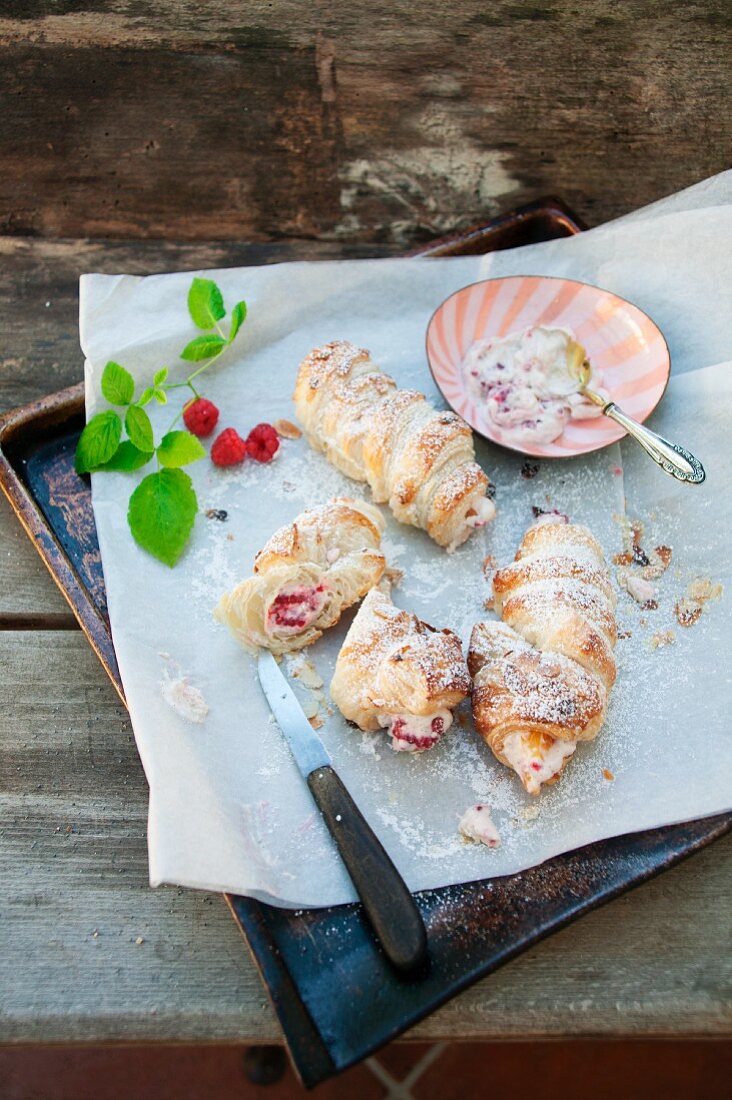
{"x": 337, "y": 998}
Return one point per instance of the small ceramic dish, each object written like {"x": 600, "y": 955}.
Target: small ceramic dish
{"x": 623, "y": 345}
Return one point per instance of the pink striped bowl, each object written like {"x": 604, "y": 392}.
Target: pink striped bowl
{"x": 622, "y": 343}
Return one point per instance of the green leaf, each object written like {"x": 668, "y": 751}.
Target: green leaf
{"x": 139, "y": 428}
{"x": 161, "y": 397}
{"x": 98, "y": 441}
{"x": 160, "y": 376}
{"x": 205, "y": 303}
{"x": 127, "y": 457}
{"x": 145, "y": 397}
{"x": 203, "y": 347}
{"x": 161, "y": 514}
{"x": 238, "y": 317}
{"x": 118, "y": 385}
{"x": 179, "y": 448}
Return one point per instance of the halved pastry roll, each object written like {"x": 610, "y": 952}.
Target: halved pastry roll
{"x": 542, "y": 676}
{"x": 397, "y": 672}
{"x": 419, "y": 460}
{"x": 305, "y": 576}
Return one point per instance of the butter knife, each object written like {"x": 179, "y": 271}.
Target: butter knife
{"x": 388, "y": 904}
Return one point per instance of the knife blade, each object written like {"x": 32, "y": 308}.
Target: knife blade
{"x": 388, "y": 904}
{"x": 307, "y": 748}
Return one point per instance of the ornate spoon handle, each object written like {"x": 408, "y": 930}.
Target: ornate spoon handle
{"x": 671, "y": 457}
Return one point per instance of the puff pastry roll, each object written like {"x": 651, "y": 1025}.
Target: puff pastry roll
{"x": 419, "y": 460}
{"x": 543, "y": 675}
{"x": 306, "y": 576}
{"x": 398, "y": 673}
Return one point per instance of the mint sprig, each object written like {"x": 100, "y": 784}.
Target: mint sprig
{"x": 163, "y": 507}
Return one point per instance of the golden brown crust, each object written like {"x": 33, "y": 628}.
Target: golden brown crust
{"x": 520, "y": 688}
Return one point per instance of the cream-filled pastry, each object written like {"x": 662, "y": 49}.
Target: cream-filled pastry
{"x": 397, "y": 673}
{"x": 306, "y": 575}
{"x": 419, "y": 460}
{"x": 543, "y": 675}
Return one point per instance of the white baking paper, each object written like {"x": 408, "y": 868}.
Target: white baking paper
{"x": 228, "y": 809}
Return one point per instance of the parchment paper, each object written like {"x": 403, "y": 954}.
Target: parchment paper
{"x": 228, "y": 809}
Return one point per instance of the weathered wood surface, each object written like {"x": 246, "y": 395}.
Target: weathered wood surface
{"x": 352, "y": 121}
{"x": 75, "y": 900}
{"x": 39, "y": 295}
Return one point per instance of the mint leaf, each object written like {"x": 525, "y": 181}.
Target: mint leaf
{"x": 160, "y": 376}
{"x": 118, "y": 385}
{"x": 205, "y": 303}
{"x": 145, "y": 397}
{"x": 139, "y": 428}
{"x": 98, "y": 441}
{"x": 238, "y": 317}
{"x": 127, "y": 457}
{"x": 203, "y": 347}
{"x": 179, "y": 448}
{"x": 161, "y": 397}
{"x": 161, "y": 514}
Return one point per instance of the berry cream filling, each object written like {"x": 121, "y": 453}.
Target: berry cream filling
{"x": 524, "y": 384}
{"x": 482, "y": 512}
{"x": 536, "y": 763}
{"x": 294, "y": 609}
{"x": 413, "y": 733}
{"x": 476, "y": 824}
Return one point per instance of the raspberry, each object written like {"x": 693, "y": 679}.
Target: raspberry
{"x": 263, "y": 443}
{"x": 229, "y": 448}
{"x": 200, "y": 416}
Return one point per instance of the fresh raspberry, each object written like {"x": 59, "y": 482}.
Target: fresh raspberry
{"x": 200, "y": 416}
{"x": 263, "y": 443}
{"x": 229, "y": 448}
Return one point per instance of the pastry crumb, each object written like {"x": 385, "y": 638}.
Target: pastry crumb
{"x": 698, "y": 593}
{"x": 527, "y": 815}
{"x": 489, "y": 565}
{"x": 393, "y": 575}
{"x": 287, "y": 429}
{"x": 316, "y": 721}
{"x": 310, "y": 706}
{"x": 302, "y": 668}
{"x": 662, "y": 638}
{"x": 476, "y": 826}
{"x": 608, "y": 774}
{"x": 185, "y": 699}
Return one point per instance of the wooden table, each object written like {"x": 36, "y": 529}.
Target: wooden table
{"x": 89, "y": 952}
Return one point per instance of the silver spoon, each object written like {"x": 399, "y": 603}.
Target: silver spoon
{"x": 671, "y": 457}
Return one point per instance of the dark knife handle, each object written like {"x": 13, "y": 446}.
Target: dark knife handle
{"x": 389, "y": 906}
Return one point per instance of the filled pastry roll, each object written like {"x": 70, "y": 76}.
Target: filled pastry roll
{"x": 418, "y": 459}
{"x": 306, "y": 576}
{"x": 398, "y": 673}
{"x": 542, "y": 676}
